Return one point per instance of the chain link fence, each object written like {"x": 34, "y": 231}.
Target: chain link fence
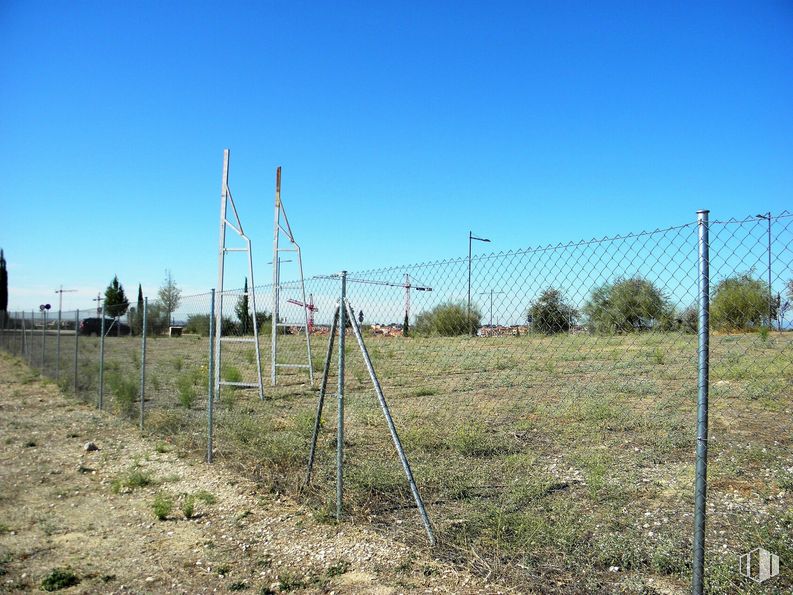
{"x": 546, "y": 400}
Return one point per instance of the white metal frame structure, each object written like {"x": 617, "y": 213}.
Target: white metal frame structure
{"x": 278, "y": 228}
{"x": 225, "y": 200}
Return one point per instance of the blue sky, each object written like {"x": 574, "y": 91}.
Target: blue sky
{"x": 399, "y": 126}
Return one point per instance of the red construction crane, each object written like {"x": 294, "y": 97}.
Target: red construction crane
{"x": 310, "y": 307}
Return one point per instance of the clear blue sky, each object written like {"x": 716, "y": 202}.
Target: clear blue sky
{"x": 400, "y": 126}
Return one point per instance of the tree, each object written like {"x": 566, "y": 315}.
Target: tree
{"x": 243, "y": 311}
{"x": 3, "y": 287}
{"x": 740, "y": 303}
{"x": 406, "y": 326}
{"x": 448, "y": 320}
{"x": 689, "y": 319}
{"x": 550, "y": 313}
{"x": 628, "y": 305}
{"x": 169, "y": 295}
{"x": 137, "y": 323}
{"x": 116, "y": 302}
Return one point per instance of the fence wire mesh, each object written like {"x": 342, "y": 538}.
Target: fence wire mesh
{"x": 546, "y": 399}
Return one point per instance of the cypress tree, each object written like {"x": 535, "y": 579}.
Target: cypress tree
{"x": 3, "y": 287}
{"x": 139, "y": 312}
{"x": 243, "y": 312}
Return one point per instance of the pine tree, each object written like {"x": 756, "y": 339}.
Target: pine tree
{"x": 3, "y": 288}
{"x": 116, "y": 302}
{"x": 242, "y": 311}
{"x": 406, "y": 326}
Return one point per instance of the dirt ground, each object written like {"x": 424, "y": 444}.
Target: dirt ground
{"x": 92, "y": 513}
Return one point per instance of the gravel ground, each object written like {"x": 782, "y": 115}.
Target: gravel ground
{"x": 91, "y": 513}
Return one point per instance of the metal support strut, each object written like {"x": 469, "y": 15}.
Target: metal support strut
{"x": 343, "y": 310}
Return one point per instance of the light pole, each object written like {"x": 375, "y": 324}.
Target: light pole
{"x": 471, "y": 238}
{"x": 767, "y": 217}
{"x": 491, "y": 292}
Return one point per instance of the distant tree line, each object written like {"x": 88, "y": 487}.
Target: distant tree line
{"x": 625, "y": 305}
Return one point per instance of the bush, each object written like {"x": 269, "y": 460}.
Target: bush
{"x": 628, "y": 305}
{"x": 448, "y": 320}
{"x": 126, "y": 390}
{"x": 162, "y": 507}
{"x": 156, "y": 319}
{"x": 59, "y": 578}
{"x": 198, "y": 324}
{"x": 550, "y": 314}
{"x": 689, "y": 320}
{"x": 187, "y": 392}
{"x": 739, "y": 303}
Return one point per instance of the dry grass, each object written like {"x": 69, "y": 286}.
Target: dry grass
{"x": 541, "y": 459}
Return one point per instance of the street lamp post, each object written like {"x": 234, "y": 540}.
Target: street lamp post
{"x": 767, "y": 217}
{"x": 490, "y": 293}
{"x": 471, "y": 237}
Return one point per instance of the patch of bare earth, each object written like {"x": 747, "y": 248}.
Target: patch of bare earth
{"x": 92, "y": 513}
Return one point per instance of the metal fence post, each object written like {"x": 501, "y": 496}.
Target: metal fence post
{"x": 702, "y": 404}
{"x": 143, "y": 361}
{"x": 210, "y": 374}
{"x": 102, "y": 359}
{"x": 76, "y": 346}
{"x": 340, "y": 401}
{"x": 43, "y": 340}
{"x": 30, "y": 338}
{"x": 58, "y": 349}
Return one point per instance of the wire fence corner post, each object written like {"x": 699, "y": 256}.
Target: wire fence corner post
{"x": 702, "y": 403}
{"x": 143, "y": 361}
{"x": 102, "y": 358}
{"x": 76, "y": 346}
{"x": 210, "y": 374}
{"x": 340, "y": 402}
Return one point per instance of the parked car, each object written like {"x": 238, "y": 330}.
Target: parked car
{"x": 113, "y": 328}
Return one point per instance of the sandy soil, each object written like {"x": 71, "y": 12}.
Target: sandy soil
{"x": 64, "y": 507}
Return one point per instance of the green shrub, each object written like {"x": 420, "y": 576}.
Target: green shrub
{"x": 448, "y": 320}
{"x": 59, "y": 578}
{"x": 550, "y": 313}
{"x": 133, "y": 478}
{"x": 188, "y": 506}
{"x": 162, "y": 507}
{"x": 187, "y": 391}
{"x": 197, "y": 324}
{"x": 231, "y": 374}
{"x": 124, "y": 389}
{"x": 739, "y": 303}
{"x": 628, "y": 305}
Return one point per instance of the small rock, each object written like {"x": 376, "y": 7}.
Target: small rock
{"x": 90, "y": 447}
